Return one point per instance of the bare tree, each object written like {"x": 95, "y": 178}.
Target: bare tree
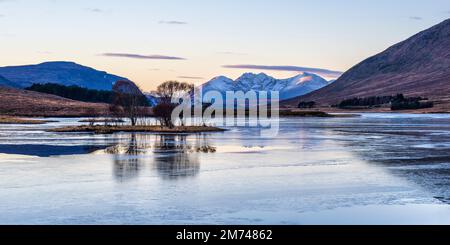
{"x": 163, "y": 111}
{"x": 128, "y": 102}
{"x": 167, "y": 92}
{"x": 173, "y": 89}
{"x": 116, "y": 111}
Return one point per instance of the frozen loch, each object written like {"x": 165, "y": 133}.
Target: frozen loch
{"x": 373, "y": 169}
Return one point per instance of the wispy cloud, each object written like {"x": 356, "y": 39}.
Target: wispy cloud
{"x": 172, "y": 22}
{"x": 189, "y": 77}
{"x": 415, "y": 18}
{"x": 231, "y": 53}
{"x": 142, "y": 57}
{"x": 318, "y": 71}
{"x": 45, "y": 52}
{"x": 94, "y": 10}
{"x": 7, "y": 35}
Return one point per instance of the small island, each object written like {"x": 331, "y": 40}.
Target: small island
{"x": 130, "y": 112}
{"x": 100, "y": 129}
{"x": 104, "y": 120}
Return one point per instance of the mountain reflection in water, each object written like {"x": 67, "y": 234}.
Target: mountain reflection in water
{"x": 173, "y": 156}
{"x": 48, "y": 150}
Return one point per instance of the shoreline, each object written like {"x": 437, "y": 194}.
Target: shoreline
{"x": 283, "y": 112}
{"x": 322, "y": 112}
{"x": 7, "y": 120}
{"x": 436, "y": 110}
{"x": 312, "y": 113}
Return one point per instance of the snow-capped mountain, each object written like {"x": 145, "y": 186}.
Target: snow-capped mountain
{"x": 299, "y": 85}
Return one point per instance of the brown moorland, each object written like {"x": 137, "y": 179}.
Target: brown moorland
{"x": 22, "y": 103}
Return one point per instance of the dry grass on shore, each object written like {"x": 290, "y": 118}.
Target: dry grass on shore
{"x": 107, "y": 120}
{"x": 15, "y": 120}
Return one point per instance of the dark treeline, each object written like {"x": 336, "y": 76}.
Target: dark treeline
{"x": 412, "y": 103}
{"x": 373, "y": 101}
{"x": 306, "y": 105}
{"x": 397, "y": 102}
{"x": 74, "y": 92}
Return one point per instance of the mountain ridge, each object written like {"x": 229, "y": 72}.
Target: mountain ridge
{"x": 417, "y": 66}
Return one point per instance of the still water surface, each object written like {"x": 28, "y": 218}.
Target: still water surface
{"x": 375, "y": 169}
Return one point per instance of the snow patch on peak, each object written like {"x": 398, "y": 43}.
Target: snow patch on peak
{"x": 301, "y": 84}
{"x": 305, "y": 79}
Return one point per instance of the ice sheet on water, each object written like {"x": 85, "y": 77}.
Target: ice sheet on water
{"x": 316, "y": 171}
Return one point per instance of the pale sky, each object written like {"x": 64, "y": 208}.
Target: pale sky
{"x": 153, "y": 41}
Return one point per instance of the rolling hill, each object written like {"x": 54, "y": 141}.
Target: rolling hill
{"x": 6, "y": 82}
{"x": 63, "y": 73}
{"x": 17, "y": 102}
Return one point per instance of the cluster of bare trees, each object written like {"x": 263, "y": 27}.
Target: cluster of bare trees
{"x": 129, "y": 106}
{"x": 169, "y": 94}
{"x": 133, "y": 105}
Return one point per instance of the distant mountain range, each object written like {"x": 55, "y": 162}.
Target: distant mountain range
{"x": 70, "y": 73}
{"x": 289, "y": 88}
{"x": 419, "y": 66}
{"x": 63, "y": 73}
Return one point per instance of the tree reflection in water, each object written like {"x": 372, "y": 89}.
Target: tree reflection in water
{"x": 172, "y": 156}
{"x": 175, "y": 157}
{"x": 127, "y": 162}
